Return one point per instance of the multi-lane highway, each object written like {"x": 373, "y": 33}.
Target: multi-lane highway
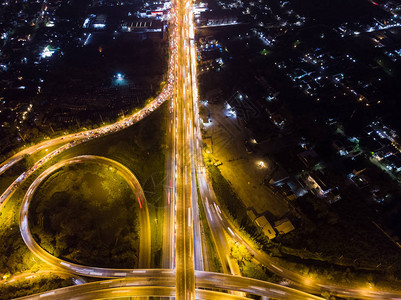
{"x": 157, "y": 278}
{"x": 185, "y": 262}
{"x": 219, "y": 223}
{"x": 182, "y": 245}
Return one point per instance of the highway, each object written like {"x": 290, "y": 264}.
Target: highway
{"x": 197, "y": 164}
{"x": 182, "y": 275}
{"x": 168, "y": 247}
{"x": 189, "y": 254}
{"x": 182, "y": 69}
{"x": 145, "y": 231}
{"x": 184, "y": 251}
{"x": 221, "y": 225}
{"x": 153, "y": 278}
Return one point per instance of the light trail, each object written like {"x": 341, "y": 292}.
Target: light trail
{"x": 159, "y": 278}
{"x": 145, "y": 231}
{"x": 182, "y": 80}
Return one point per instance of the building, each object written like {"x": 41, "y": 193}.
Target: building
{"x": 251, "y": 214}
{"x": 283, "y": 226}
{"x": 318, "y": 183}
{"x": 266, "y": 227}
{"x": 309, "y": 158}
{"x": 221, "y": 18}
{"x": 99, "y": 22}
{"x": 149, "y": 28}
{"x": 142, "y": 25}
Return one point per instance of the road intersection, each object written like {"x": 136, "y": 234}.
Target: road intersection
{"x": 183, "y": 276}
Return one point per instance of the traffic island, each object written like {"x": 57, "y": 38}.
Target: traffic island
{"x": 87, "y": 214}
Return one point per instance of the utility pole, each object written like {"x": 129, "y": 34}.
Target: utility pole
{"x": 21, "y": 136}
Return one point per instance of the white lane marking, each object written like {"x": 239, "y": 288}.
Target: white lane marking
{"x": 120, "y": 274}
{"x": 189, "y": 217}
{"x": 277, "y": 268}
{"x": 96, "y": 273}
{"x": 65, "y": 264}
{"x": 208, "y": 211}
{"x": 217, "y": 208}
{"x": 256, "y": 288}
{"x": 277, "y": 292}
{"x": 47, "y": 294}
{"x": 185, "y": 174}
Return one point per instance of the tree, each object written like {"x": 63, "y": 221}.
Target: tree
{"x": 240, "y": 254}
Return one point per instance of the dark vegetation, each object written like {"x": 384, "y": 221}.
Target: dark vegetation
{"x": 141, "y": 148}
{"x": 230, "y": 202}
{"x": 87, "y": 214}
{"x": 36, "y": 285}
{"x": 329, "y": 12}
{"x": 83, "y": 69}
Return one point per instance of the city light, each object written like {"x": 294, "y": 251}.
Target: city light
{"x": 297, "y": 126}
{"x": 47, "y": 52}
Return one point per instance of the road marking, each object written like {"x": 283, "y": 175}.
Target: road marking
{"x": 257, "y": 288}
{"x": 65, "y": 264}
{"x": 276, "y": 268}
{"x": 189, "y": 217}
{"x": 217, "y": 208}
{"x": 132, "y": 283}
{"x": 120, "y": 274}
{"x": 47, "y": 294}
{"x": 96, "y": 273}
{"x": 277, "y": 292}
{"x": 105, "y": 282}
{"x": 208, "y": 210}
{"x": 139, "y": 271}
